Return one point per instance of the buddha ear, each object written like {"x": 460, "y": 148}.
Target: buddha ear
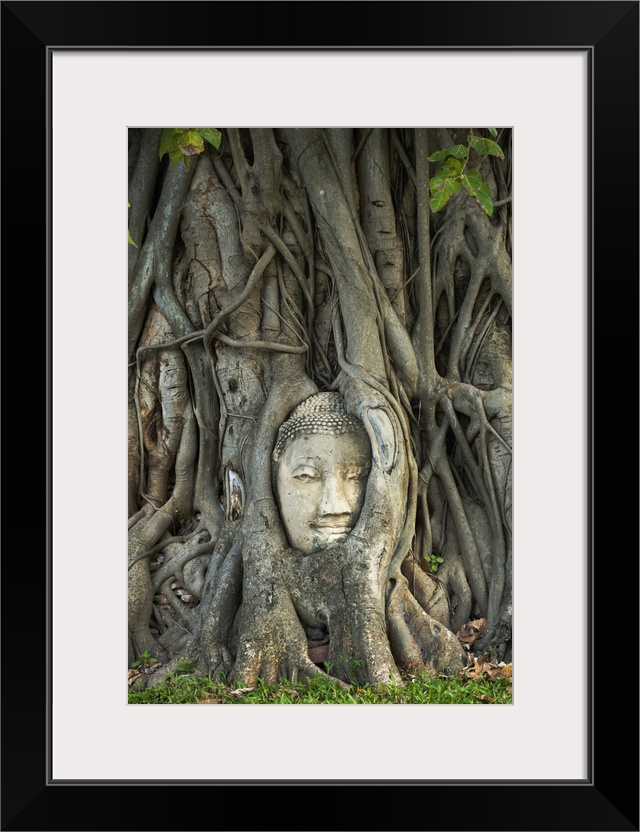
{"x": 385, "y": 447}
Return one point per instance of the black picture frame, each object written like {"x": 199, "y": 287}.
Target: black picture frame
{"x": 608, "y": 799}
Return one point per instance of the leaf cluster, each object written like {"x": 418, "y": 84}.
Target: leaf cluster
{"x": 452, "y": 175}
{"x": 145, "y": 659}
{"x": 182, "y": 142}
{"x": 431, "y": 562}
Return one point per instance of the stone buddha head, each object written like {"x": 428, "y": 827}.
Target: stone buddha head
{"x": 322, "y": 460}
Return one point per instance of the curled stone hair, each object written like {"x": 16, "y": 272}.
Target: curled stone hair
{"x": 322, "y": 413}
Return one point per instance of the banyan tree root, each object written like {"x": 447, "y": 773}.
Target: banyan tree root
{"x": 419, "y": 641}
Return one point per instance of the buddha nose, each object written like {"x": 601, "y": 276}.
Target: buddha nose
{"x": 334, "y": 500}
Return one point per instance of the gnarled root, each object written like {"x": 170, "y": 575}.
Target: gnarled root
{"x": 219, "y": 610}
{"x": 274, "y": 645}
{"x": 429, "y": 592}
{"x": 417, "y": 640}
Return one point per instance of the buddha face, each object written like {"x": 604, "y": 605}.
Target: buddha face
{"x": 321, "y": 485}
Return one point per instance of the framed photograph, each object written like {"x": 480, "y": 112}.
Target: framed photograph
{"x": 564, "y": 78}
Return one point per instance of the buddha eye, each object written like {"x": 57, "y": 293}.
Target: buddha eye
{"x": 306, "y": 475}
{"x": 358, "y": 474}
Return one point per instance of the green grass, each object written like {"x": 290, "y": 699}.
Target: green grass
{"x": 418, "y": 690}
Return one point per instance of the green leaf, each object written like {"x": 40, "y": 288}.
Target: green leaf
{"x": 440, "y": 560}
{"x": 486, "y": 146}
{"x": 443, "y": 192}
{"x": 479, "y": 190}
{"x": 493, "y": 131}
{"x": 483, "y": 196}
{"x": 175, "y": 155}
{"x": 136, "y": 664}
{"x": 191, "y": 143}
{"x": 130, "y": 239}
{"x": 434, "y": 568}
{"x": 449, "y": 169}
{"x": 211, "y": 135}
{"x": 437, "y": 203}
{"x": 458, "y": 151}
{"x": 167, "y": 139}
{"x": 472, "y": 180}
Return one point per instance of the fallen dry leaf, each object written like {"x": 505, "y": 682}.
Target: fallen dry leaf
{"x": 133, "y": 676}
{"x": 482, "y": 697}
{"x": 480, "y": 624}
{"x": 238, "y": 691}
{"x": 210, "y": 701}
{"x": 478, "y": 671}
{"x": 472, "y": 630}
{"x": 482, "y": 667}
